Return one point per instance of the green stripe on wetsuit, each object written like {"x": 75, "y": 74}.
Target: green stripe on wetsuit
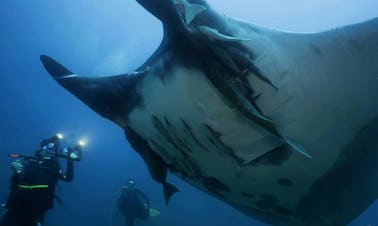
{"x": 33, "y": 186}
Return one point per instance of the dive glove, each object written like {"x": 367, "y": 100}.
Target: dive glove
{"x": 16, "y": 167}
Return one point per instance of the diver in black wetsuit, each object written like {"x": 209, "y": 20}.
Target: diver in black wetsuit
{"x": 33, "y": 184}
{"x": 133, "y": 203}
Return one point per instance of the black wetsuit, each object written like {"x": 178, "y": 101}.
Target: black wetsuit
{"x": 32, "y": 191}
{"x": 133, "y": 203}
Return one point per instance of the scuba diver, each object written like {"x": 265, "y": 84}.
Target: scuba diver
{"x": 32, "y": 190}
{"x": 133, "y": 203}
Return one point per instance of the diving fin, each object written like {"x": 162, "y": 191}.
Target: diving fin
{"x": 153, "y": 212}
{"x": 168, "y": 190}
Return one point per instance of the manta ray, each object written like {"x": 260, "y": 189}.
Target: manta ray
{"x": 281, "y": 126}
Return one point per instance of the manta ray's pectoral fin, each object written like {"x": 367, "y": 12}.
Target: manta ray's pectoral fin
{"x": 156, "y": 165}
{"x": 55, "y": 69}
{"x": 214, "y": 34}
{"x": 103, "y": 94}
{"x": 189, "y": 11}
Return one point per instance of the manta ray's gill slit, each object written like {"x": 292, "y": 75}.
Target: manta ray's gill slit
{"x": 159, "y": 126}
{"x": 266, "y": 201}
{"x": 191, "y": 169}
{"x": 175, "y": 135}
{"x": 168, "y": 157}
{"x": 221, "y": 147}
{"x": 180, "y": 155}
{"x": 189, "y": 130}
{"x": 168, "y": 152}
{"x": 178, "y": 162}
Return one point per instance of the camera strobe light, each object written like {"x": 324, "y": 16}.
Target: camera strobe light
{"x": 81, "y": 143}
{"x": 59, "y": 136}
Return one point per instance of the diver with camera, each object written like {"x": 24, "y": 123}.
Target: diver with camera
{"x": 33, "y": 182}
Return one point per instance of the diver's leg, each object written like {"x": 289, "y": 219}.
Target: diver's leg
{"x": 11, "y": 218}
{"x": 34, "y": 218}
{"x": 130, "y": 220}
{"x": 18, "y": 218}
{"x": 30, "y": 220}
{"x": 41, "y": 218}
{"x": 145, "y": 213}
{"x": 6, "y": 219}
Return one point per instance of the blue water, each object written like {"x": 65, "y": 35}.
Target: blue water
{"x": 103, "y": 38}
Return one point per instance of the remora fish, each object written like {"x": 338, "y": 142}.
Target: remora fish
{"x": 281, "y": 126}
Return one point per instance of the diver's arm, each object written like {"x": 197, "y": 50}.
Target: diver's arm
{"x": 17, "y": 167}
{"x": 68, "y": 176}
{"x": 145, "y": 197}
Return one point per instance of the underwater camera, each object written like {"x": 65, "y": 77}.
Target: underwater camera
{"x": 72, "y": 153}
{"x": 52, "y": 147}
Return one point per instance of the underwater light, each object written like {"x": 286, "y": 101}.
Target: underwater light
{"x": 81, "y": 142}
{"x": 59, "y": 136}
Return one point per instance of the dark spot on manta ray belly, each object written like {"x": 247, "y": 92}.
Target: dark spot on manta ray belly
{"x": 267, "y": 201}
{"x": 285, "y": 182}
{"x": 247, "y": 194}
{"x": 281, "y": 210}
{"x": 215, "y": 186}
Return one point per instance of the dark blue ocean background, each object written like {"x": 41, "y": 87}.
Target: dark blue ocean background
{"x": 96, "y": 38}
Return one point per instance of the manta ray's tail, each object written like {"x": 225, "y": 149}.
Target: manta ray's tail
{"x": 169, "y": 190}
